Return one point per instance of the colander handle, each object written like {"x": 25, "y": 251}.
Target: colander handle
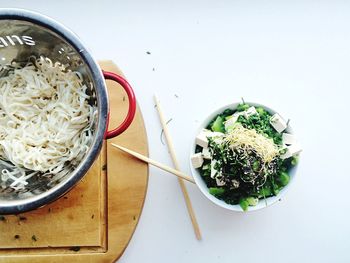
{"x": 132, "y": 104}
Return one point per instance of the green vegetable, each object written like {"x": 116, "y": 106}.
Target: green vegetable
{"x": 283, "y": 178}
{"x": 261, "y": 111}
{"x": 244, "y": 204}
{"x": 295, "y": 160}
{"x": 283, "y": 151}
{"x": 242, "y": 107}
{"x": 216, "y": 191}
{"x": 227, "y": 113}
{"x": 276, "y": 191}
{"x": 218, "y": 125}
{"x": 206, "y": 173}
{"x": 256, "y": 165}
{"x": 265, "y": 192}
{"x": 252, "y": 201}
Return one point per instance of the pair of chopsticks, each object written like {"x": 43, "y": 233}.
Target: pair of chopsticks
{"x": 181, "y": 176}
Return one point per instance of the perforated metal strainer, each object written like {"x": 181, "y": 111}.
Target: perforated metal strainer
{"x": 24, "y": 34}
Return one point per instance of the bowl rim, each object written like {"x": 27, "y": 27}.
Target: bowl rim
{"x": 263, "y": 203}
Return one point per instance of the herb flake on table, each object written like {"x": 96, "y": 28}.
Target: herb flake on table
{"x": 75, "y": 249}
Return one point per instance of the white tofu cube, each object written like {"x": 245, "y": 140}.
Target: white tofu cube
{"x": 206, "y": 153}
{"x": 249, "y": 112}
{"x": 213, "y": 171}
{"x": 219, "y": 181}
{"x": 293, "y": 149}
{"x": 197, "y": 160}
{"x": 230, "y": 122}
{"x": 288, "y": 139}
{"x": 202, "y": 139}
{"x": 214, "y": 134}
{"x": 238, "y": 113}
{"x": 278, "y": 123}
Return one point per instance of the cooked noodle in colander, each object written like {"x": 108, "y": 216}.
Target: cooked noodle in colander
{"x": 45, "y": 120}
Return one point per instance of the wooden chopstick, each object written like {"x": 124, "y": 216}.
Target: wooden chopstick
{"x": 155, "y": 163}
{"x": 177, "y": 167}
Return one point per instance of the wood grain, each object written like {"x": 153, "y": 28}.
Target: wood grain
{"x": 95, "y": 221}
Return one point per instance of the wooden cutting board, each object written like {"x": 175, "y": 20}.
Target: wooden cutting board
{"x": 94, "y": 222}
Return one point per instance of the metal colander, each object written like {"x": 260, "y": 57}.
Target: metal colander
{"x": 24, "y": 34}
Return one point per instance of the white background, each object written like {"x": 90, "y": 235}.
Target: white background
{"x": 293, "y": 56}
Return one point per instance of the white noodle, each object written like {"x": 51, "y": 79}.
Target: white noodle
{"x": 45, "y": 120}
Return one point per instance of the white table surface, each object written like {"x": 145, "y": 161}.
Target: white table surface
{"x": 293, "y": 56}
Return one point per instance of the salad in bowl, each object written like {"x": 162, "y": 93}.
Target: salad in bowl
{"x": 244, "y": 156}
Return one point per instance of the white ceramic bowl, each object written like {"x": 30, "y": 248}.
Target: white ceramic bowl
{"x": 203, "y": 187}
